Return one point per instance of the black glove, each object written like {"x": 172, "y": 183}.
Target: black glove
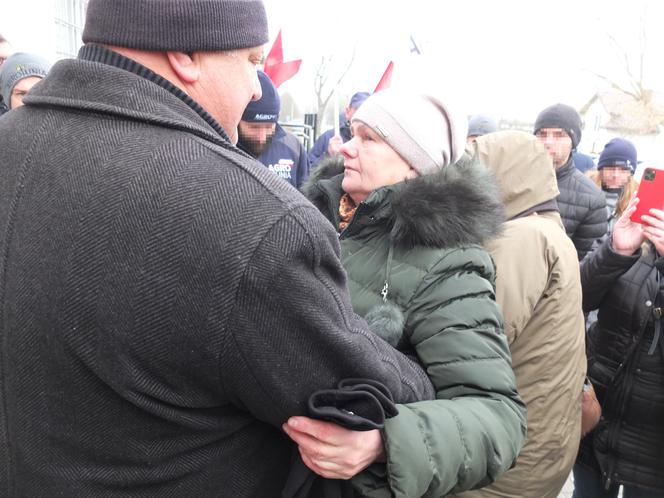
{"x": 357, "y": 404}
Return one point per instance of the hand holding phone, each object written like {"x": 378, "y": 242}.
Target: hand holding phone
{"x": 650, "y": 193}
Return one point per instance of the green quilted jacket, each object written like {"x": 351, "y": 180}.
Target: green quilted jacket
{"x": 419, "y": 276}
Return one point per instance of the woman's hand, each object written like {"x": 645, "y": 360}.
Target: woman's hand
{"x": 654, "y": 230}
{"x": 332, "y": 451}
{"x": 628, "y": 235}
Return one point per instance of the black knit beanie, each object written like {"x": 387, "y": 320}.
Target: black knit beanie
{"x": 561, "y": 116}
{"x": 266, "y": 109}
{"x": 177, "y": 25}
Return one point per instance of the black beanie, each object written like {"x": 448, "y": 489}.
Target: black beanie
{"x": 561, "y": 116}
{"x": 266, "y": 109}
{"x": 177, "y": 25}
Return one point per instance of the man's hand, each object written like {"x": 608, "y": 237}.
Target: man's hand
{"x": 332, "y": 451}
{"x": 334, "y": 145}
{"x": 591, "y": 411}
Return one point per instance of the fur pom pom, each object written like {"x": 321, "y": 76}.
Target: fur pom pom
{"x": 386, "y": 321}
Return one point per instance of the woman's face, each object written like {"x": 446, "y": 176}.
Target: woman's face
{"x": 614, "y": 176}
{"x": 370, "y": 163}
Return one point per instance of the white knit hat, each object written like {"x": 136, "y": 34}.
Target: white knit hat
{"x": 428, "y": 134}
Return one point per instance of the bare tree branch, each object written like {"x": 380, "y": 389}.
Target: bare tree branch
{"x": 323, "y": 74}
{"x": 616, "y": 86}
{"x": 634, "y": 83}
{"x": 350, "y": 63}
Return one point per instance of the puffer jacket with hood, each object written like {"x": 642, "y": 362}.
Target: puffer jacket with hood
{"x": 539, "y": 290}
{"x": 417, "y": 244}
{"x": 582, "y": 208}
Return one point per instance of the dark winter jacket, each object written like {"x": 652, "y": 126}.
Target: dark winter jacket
{"x": 626, "y": 366}
{"x": 416, "y": 243}
{"x": 167, "y": 302}
{"x": 286, "y": 157}
{"x": 582, "y": 208}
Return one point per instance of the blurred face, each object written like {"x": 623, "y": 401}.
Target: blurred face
{"x": 614, "y": 177}
{"x": 228, "y": 82}
{"x": 255, "y": 137}
{"x": 370, "y": 163}
{"x": 21, "y": 89}
{"x": 557, "y": 143}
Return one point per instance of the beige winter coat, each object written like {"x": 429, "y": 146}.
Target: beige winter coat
{"x": 539, "y": 290}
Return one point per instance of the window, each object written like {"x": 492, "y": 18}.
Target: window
{"x": 69, "y": 20}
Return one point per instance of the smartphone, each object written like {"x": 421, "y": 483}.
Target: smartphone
{"x": 650, "y": 194}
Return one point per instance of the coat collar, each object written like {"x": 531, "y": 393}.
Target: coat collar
{"x": 458, "y": 205}
{"x": 108, "y": 90}
{"x": 566, "y": 169}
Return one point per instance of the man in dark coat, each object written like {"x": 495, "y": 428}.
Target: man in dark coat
{"x": 167, "y": 303}
{"x": 582, "y": 205}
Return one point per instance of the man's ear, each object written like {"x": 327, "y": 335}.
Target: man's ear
{"x": 185, "y": 66}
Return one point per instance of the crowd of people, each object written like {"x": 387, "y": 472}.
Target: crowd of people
{"x": 421, "y": 305}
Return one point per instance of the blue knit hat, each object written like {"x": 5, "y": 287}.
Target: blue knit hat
{"x": 17, "y": 67}
{"x": 358, "y": 99}
{"x": 266, "y": 109}
{"x": 618, "y": 152}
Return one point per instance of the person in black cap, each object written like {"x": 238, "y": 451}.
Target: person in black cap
{"x": 168, "y": 303}
{"x": 260, "y": 135}
{"x": 615, "y": 176}
{"x": 582, "y": 204}
{"x": 329, "y": 144}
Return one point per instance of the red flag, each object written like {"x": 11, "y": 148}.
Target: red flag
{"x": 386, "y": 79}
{"x": 275, "y": 67}
{"x": 276, "y": 54}
{"x": 280, "y": 73}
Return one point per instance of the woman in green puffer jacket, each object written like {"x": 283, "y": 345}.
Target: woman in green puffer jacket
{"x": 411, "y": 225}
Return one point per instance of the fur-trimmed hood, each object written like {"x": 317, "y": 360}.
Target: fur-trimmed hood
{"x": 458, "y": 205}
